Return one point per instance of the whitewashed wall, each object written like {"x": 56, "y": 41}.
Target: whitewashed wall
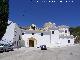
{"x": 64, "y": 42}
{"x": 17, "y": 35}
{"x": 54, "y": 37}
{"x": 41, "y": 40}
{"x": 63, "y": 33}
{"x": 8, "y": 36}
{"x": 52, "y": 40}
{"x": 12, "y": 34}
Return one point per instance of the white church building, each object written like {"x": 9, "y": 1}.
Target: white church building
{"x": 50, "y": 35}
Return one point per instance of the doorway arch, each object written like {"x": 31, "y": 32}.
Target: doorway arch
{"x": 32, "y": 42}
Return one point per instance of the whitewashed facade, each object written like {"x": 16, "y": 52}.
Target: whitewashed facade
{"x": 51, "y": 36}
{"x": 55, "y": 36}
{"x": 13, "y": 32}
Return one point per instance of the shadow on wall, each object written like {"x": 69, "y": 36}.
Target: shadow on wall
{"x": 22, "y": 43}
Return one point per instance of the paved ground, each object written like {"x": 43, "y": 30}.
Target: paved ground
{"x": 68, "y": 53}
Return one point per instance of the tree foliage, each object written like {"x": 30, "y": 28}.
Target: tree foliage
{"x": 4, "y": 10}
{"x": 76, "y": 32}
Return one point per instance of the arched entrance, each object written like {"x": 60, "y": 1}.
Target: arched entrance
{"x": 32, "y": 42}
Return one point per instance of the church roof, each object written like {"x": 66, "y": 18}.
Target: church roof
{"x": 61, "y": 31}
{"x": 66, "y": 36}
{"x": 34, "y": 31}
{"x": 53, "y": 28}
{"x": 63, "y": 26}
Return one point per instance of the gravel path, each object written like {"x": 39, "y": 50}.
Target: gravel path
{"x": 68, "y": 53}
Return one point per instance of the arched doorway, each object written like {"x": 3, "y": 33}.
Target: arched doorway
{"x": 32, "y": 42}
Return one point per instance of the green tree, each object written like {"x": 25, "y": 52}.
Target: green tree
{"x": 76, "y": 32}
{"x": 4, "y": 11}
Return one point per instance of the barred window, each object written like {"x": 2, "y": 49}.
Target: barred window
{"x": 32, "y": 33}
{"x": 68, "y": 41}
{"x": 22, "y": 33}
{"x": 52, "y": 32}
{"x": 65, "y": 31}
{"x": 41, "y": 34}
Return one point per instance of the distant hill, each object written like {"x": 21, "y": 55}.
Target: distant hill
{"x": 76, "y": 32}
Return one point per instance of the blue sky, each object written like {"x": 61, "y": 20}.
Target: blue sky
{"x": 26, "y": 12}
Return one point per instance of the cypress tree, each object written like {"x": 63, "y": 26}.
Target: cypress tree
{"x": 4, "y": 11}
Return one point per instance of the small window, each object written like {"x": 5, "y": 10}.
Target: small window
{"x": 65, "y": 31}
{"x": 41, "y": 34}
{"x": 15, "y": 42}
{"x": 68, "y": 41}
{"x": 22, "y": 33}
{"x": 32, "y": 33}
{"x": 52, "y": 32}
{"x": 15, "y": 31}
{"x": 15, "y": 35}
{"x": 2, "y": 40}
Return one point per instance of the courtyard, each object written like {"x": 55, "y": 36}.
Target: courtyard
{"x": 64, "y": 53}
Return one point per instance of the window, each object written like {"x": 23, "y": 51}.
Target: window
{"x": 41, "y": 34}
{"x": 68, "y": 41}
{"x": 65, "y": 31}
{"x": 22, "y": 33}
{"x": 17, "y": 43}
{"x": 14, "y": 42}
{"x": 15, "y": 30}
{"x": 52, "y": 32}
{"x": 2, "y": 40}
{"x": 32, "y": 33}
